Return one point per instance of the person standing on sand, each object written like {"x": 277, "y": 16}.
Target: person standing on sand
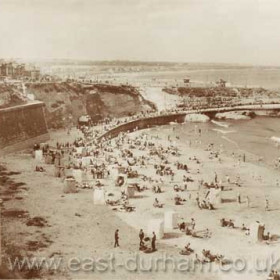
{"x": 154, "y": 241}
{"x": 141, "y": 237}
{"x": 227, "y": 179}
{"x": 266, "y": 204}
{"x": 239, "y": 198}
{"x": 216, "y": 178}
{"x": 116, "y": 239}
{"x": 193, "y": 223}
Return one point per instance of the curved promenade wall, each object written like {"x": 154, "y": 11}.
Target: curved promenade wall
{"x": 22, "y": 126}
{"x": 144, "y": 123}
{"x": 180, "y": 118}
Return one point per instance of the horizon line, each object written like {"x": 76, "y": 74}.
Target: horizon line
{"x": 136, "y": 61}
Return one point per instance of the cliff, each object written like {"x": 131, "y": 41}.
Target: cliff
{"x": 10, "y": 95}
{"x": 66, "y": 102}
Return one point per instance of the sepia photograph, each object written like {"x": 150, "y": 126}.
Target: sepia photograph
{"x": 140, "y": 139}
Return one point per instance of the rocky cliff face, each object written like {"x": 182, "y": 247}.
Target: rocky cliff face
{"x": 65, "y": 102}
{"x": 10, "y": 95}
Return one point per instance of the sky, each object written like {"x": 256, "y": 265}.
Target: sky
{"x": 229, "y": 31}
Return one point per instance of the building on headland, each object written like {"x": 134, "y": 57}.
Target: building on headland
{"x": 11, "y": 70}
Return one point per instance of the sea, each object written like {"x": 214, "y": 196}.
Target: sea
{"x": 265, "y": 77}
{"x": 258, "y": 138}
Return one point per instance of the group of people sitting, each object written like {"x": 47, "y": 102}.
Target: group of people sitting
{"x": 177, "y": 188}
{"x": 208, "y": 257}
{"x": 181, "y": 166}
{"x": 226, "y": 223}
{"x": 178, "y": 200}
{"x": 39, "y": 169}
{"x": 187, "y": 250}
{"x": 273, "y": 275}
{"x": 205, "y": 204}
{"x": 157, "y": 189}
{"x": 156, "y": 204}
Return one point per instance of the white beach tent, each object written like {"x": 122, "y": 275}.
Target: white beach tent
{"x": 77, "y": 174}
{"x": 214, "y": 196}
{"x": 170, "y": 220}
{"x": 39, "y": 155}
{"x": 99, "y": 196}
{"x": 257, "y": 231}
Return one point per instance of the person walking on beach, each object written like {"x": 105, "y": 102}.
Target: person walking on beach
{"x": 239, "y": 198}
{"x": 154, "y": 241}
{"x": 266, "y": 204}
{"x": 141, "y": 237}
{"x": 193, "y": 223}
{"x": 116, "y": 239}
{"x": 216, "y": 178}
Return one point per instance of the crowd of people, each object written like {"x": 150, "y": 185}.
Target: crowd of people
{"x": 131, "y": 157}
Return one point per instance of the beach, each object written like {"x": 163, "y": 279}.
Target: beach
{"x": 79, "y": 229}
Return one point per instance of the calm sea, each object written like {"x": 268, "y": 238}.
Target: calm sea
{"x": 257, "y": 77}
{"x": 252, "y": 137}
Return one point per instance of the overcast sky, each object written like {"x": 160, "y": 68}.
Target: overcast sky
{"x": 235, "y": 31}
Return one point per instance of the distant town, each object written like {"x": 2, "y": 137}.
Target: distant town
{"x": 15, "y": 71}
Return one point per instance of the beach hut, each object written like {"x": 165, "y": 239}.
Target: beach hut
{"x": 130, "y": 191}
{"x": 69, "y": 186}
{"x": 214, "y": 196}
{"x": 156, "y": 226}
{"x": 257, "y": 231}
{"x": 170, "y": 220}
{"x": 81, "y": 150}
{"x": 99, "y": 196}
{"x": 39, "y": 155}
{"x": 77, "y": 174}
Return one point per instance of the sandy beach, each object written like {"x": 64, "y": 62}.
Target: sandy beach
{"x": 76, "y": 228}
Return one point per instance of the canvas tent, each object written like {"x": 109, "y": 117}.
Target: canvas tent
{"x": 130, "y": 191}
{"x": 39, "y": 155}
{"x": 77, "y": 174}
{"x": 257, "y": 231}
{"x": 170, "y": 220}
{"x": 99, "y": 196}
{"x": 214, "y": 196}
{"x": 69, "y": 186}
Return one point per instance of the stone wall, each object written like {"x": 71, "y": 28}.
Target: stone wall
{"x": 22, "y": 126}
{"x": 144, "y": 123}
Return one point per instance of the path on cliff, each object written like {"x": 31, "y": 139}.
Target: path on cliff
{"x": 160, "y": 98}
